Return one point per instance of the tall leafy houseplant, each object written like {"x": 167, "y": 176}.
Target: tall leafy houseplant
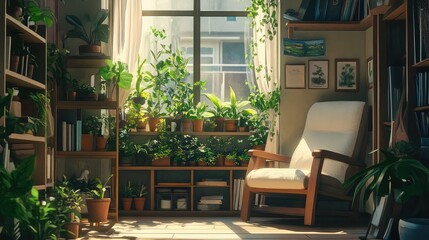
{"x": 218, "y": 109}
{"x": 37, "y": 14}
{"x": 93, "y": 34}
{"x": 403, "y": 178}
{"x": 115, "y": 74}
{"x": 233, "y": 110}
{"x": 98, "y": 206}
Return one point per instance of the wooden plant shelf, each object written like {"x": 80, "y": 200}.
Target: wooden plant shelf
{"x": 330, "y": 26}
{"x": 40, "y": 187}
{"x": 86, "y": 105}
{"x": 194, "y": 133}
{"x": 86, "y": 61}
{"x": 28, "y": 34}
{"x": 90, "y": 155}
{"x": 23, "y": 81}
{"x": 172, "y": 168}
{"x": 422, "y": 64}
{"x": 422, "y": 109}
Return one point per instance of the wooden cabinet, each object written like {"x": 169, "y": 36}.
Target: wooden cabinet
{"x": 70, "y": 160}
{"x": 171, "y": 184}
{"x": 27, "y": 83}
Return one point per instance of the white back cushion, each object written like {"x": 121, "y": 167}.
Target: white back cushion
{"x": 331, "y": 126}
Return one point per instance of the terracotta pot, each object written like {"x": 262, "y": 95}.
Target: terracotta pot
{"x": 198, "y": 125}
{"x": 71, "y": 230}
{"x": 229, "y": 162}
{"x": 89, "y": 49}
{"x": 165, "y": 161}
{"x": 220, "y": 160}
{"x": 87, "y": 140}
{"x": 202, "y": 163}
{"x": 231, "y": 125}
{"x": 244, "y": 164}
{"x": 186, "y": 125}
{"x": 126, "y": 203}
{"x": 14, "y": 62}
{"x": 153, "y": 124}
{"x": 259, "y": 147}
{"x": 30, "y": 70}
{"x": 98, "y": 209}
{"x": 141, "y": 125}
{"x": 139, "y": 203}
{"x": 71, "y": 95}
{"x": 220, "y": 124}
{"x": 100, "y": 143}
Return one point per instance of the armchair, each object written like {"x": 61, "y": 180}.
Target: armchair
{"x": 329, "y": 152}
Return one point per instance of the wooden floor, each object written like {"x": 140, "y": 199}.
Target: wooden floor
{"x": 226, "y": 228}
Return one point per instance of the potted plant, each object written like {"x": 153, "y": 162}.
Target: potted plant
{"x": 401, "y": 177}
{"x": 101, "y": 137}
{"x": 98, "y": 206}
{"x": 127, "y": 199}
{"x": 94, "y": 34}
{"x": 67, "y": 204}
{"x": 160, "y": 152}
{"x": 197, "y": 114}
{"x": 220, "y": 147}
{"x": 143, "y": 155}
{"x": 209, "y": 125}
{"x": 17, "y": 48}
{"x": 139, "y": 196}
{"x": 244, "y": 158}
{"x": 233, "y": 111}
{"x": 90, "y": 126}
{"x": 86, "y": 92}
{"x": 43, "y": 108}
{"x": 115, "y": 74}
{"x": 127, "y": 149}
{"x": 207, "y": 157}
{"x": 32, "y": 64}
{"x": 231, "y": 159}
{"x": 37, "y": 14}
{"x": 218, "y": 110}
{"x": 138, "y": 95}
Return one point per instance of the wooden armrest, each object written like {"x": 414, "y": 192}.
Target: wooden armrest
{"x": 321, "y": 153}
{"x": 270, "y": 156}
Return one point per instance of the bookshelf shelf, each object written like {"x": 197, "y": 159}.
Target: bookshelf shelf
{"x": 149, "y": 168}
{"x": 396, "y": 13}
{"x": 15, "y": 137}
{"x": 40, "y": 187}
{"x": 22, "y": 81}
{"x": 330, "y": 26}
{"x": 422, "y": 109}
{"x": 86, "y": 61}
{"x": 422, "y": 64}
{"x": 86, "y": 105}
{"x": 28, "y": 34}
{"x": 90, "y": 155}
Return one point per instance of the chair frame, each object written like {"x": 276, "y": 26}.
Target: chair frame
{"x": 259, "y": 159}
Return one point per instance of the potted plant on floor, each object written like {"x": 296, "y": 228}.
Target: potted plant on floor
{"x": 401, "y": 177}
{"x": 98, "y": 206}
{"x": 67, "y": 204}
{"x": 139, "y": 196}
{"x": 218, "y": 110}
{"x": 98, "y": 32}
{"x": 128, "y": 195}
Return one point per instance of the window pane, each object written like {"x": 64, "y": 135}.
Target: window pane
{"x": 224, "y": 5}
{"x": 179, "y": 32}
{"x": 223, "y": 61}
{"x": 167, "y": 4}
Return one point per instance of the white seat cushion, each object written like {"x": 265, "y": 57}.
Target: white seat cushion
{"x": 278, "y": 178}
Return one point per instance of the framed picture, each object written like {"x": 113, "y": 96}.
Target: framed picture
{"x": 347, "y": 75}
{"x": 318, "y": 76}
{"x": 370, "y": 73}
{"x": 294, "y": 76}
{"x": 304, "y": 48}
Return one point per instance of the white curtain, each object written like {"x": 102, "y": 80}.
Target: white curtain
{"x": 126, "y": 36}
{"x": 267, "y": 80}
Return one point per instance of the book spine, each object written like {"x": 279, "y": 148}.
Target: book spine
{"x": 64, "y": 135}
{"x": 69, "y": 137}
{"x": 8, "y": 50}
{"x": 79, "y": 135}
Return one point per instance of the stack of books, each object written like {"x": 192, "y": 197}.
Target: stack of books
{"x": 212, "y": 182}
{"x": 210, "y": 203}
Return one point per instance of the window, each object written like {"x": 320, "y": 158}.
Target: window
{"x": 211, "y": 33}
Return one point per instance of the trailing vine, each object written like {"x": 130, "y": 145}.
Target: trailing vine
{"x": 266, "y": 25}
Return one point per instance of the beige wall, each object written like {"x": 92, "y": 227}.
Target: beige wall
{"x": 296, "y": 102}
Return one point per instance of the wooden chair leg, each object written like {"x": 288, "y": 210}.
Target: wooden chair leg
{"x": 246, "y": 204}
{"x": 310, "y": 208}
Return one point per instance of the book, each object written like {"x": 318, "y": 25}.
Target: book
{"x": 210, "y": 201}
{"x": 8, "y": 50}
{"x": 64, "y": 135}
{"x": 333, "y": 12}
{"x": 240, "y": 200}
{"x": 69, "y": 137}
{"x": 235, "y": 192}
{"x": 212, "y": 183}
{"x": 79, "y": 135}
{"x": 213, "y": 197}
{"x": 208, "y": 207}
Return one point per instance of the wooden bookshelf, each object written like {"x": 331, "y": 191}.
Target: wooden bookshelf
{"x": 396, "y": 12}
{"x": 422, "y": 64}
{"x": 86, "y": 105}
{"x": 194, "y": 133}
{"x": 330, "y": 26}
{"x": 29, "y": 35}
{"x": 23, "y": 81}
{"x": 90, "y": 155}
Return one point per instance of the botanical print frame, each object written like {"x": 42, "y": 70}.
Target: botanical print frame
{"x": 318, "y": 74}
{"x": 294, "y": 76}
{"x": 347, "y": 75}
{"x": 370, "y": 72}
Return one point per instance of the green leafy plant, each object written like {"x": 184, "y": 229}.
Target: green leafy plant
{"x": 57, "y": 68}
{"x": 42, "y": 102}
{"x": 219, "y": 108}
{"x": 37, "y": 14}
{"x": 100, "y": 188}
{"x": 129, "y": 190}
{"x": 84, "y": 89}
{"x": 92, "y": 125}
{"x": 140, "y": 190}
{"x": 199, "y": 111}
{"x": 94, "y": 34}
{"x": 402, "y": 177}
{"x": 234, "y": 107}
{"x": 115, "y": 74}
{"x": 67, "y": 202}
{"x": 209, "y": 125}
{"x": 126, "y": 146}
